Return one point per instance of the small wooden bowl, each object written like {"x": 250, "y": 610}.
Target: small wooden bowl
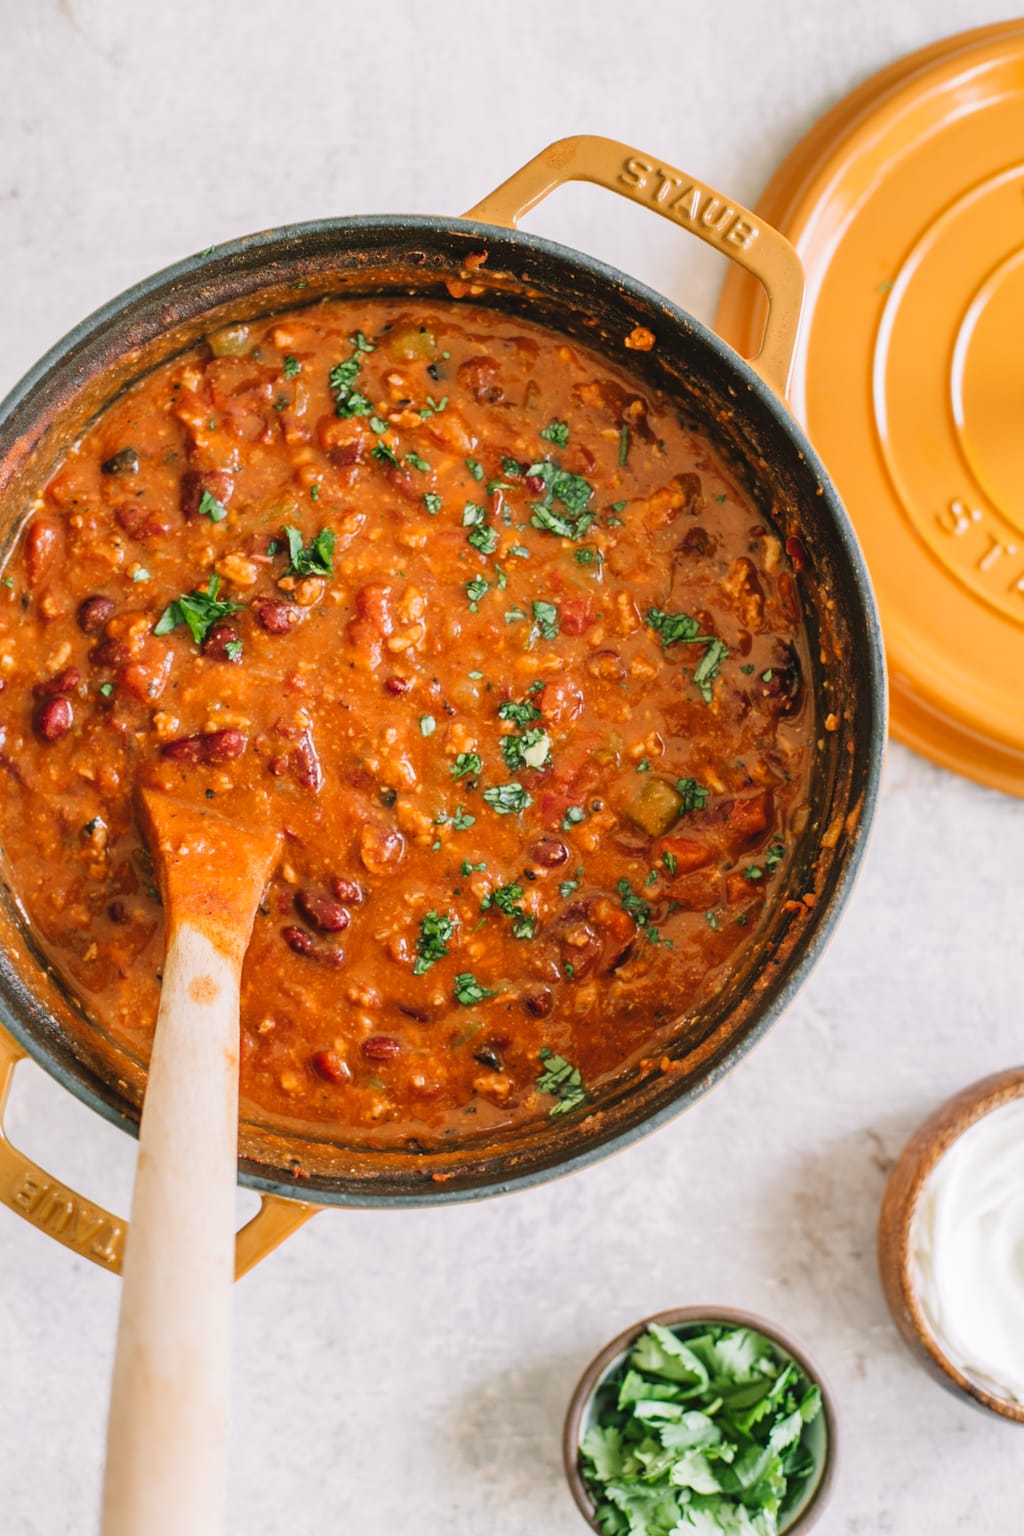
{"x": 896, "y": 1224}
{"x": 819, "y": 1487}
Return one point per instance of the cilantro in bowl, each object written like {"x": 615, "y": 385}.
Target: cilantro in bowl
{"x": 707, "y": 1428}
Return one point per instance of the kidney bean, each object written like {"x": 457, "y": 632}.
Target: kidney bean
{"x": 698, "y": 543}
{"x": 40, "y": 548}
{"x": 549, "y": 852}
{"x": 539, "y": 1003}
{"x": 276, "y": 617}
{"x": 479, "y": 375}
{"x": 535, "y": 485}
{"x": 797, "y": 553}
{"x": 110, "y": 653}
{"x": 194, "y": 482}
{"x": 306, "y": 764}
{"x": 346, "y": 890}
{"x": 223, "y": 643}
{"x": 298, "y": 940}
{"x": 187, "y": 749}
{"x": 64, "y": 682}
{"x": 213, "y": 748}
{"x": 322, "y": 911}
{"x": 142, "y": 522}
{"x": 331, "y": 1067}
{"x": 380, "y": 1048}
{"x": 93, "y": 613}
{"x": 397, "y": 685}
{"x": 52, "y": 718}
{"x": 117, "y": 912}
{"x": 124, "y": 462}
{"x": 222, "y": 746}
{"x": 607, "y": 666}
{"x": 487, "y": 1056}
{"x": 380, "y": 848}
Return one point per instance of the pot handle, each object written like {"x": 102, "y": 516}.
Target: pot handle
{"x": 93, "y": 1232}
{"x": 696, "y": 207}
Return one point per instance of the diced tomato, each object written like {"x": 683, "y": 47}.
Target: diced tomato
{"x": 687, "y": 852}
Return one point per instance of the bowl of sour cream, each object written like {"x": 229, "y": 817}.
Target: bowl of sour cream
{"x": 951, "y": 1243}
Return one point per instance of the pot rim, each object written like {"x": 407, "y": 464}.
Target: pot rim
{"x": 217, "y": 261}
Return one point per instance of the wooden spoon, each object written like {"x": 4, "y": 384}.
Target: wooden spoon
{"x": 167, "y": 1432}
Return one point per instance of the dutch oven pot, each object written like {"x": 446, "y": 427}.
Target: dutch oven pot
{"x": 740, "y": 404}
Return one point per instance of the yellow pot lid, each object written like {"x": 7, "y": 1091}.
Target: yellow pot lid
{"x": 906, "y": 204}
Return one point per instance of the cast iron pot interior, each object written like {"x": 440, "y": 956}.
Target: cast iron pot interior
{"x": 581, "y": 298}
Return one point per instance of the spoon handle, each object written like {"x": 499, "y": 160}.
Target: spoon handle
{"x": 167, "y": 1432}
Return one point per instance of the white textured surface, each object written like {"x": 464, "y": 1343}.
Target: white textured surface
{"x": 407, "y": 1373}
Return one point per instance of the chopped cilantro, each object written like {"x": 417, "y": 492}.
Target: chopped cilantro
{"x": 416, "y": 462}
{"x": 668, "y": 858}
{"x": 432, "y": 502}
{"x": 141, "y": 574}
{"x": 520, "y": 551}
{"x": 291, "y": 367}
{"x": 475, "y": 468}
{"x": 560, "y": 1078}
{"x": 385, "y": 455}
{"x": 573, "y": 816}
{"x": 748, "y": 668}
{"x": 508, "y": 799}
{"x": 754, "y": 872}
{"x": 468, "y": 990}
{"x": 556, "y": 432}
{"x": 501, "y": 575}
{"x": 619, "y": 506}
{"x": 530, "y": 750}
{"x": 460, "y": 822}
{"x": 436, "y": 930}
{"x": 644, "y": 765}
{"x": 712, "y": 920}
{"x": 317, "y": 557}
{"x": 466, "y": 764}
{"x": 706, "y": 670}
{"x": 506, "y": 899}
{"x": 674, "y": 626}
{"x": 348, "y": 401}
{"x": 701, "y": 1428}
{"x": 720, "y": 497}
{"x": 519, "y": 714}
{"x": 200, "y": 611}
{"x": 774, "y": 857}
{"x": 574, "y": 494}
{"x": 587, "y": 556}
{"x": 545, "y": 617}
{"x": 766, "y": 677}
{"x": 569, "y": 969}
{"x": 466, "y": 868}
{"x": 476, "y": 589}
{"x": 567, "y": 887}
{"x": 233, "y": 650}
{"x": 638, "y": 909}
{"x": 106, "y": 689}
{"x": 210, "y": 507}
{"x": 485, "y": 539}
{"x": 314, "y": 493}
{"x": 514, "y": 615}
{"x": 428, "y": 725}
{"x": 694, "y": 795}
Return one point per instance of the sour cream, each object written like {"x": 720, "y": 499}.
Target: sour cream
{"x": 968, "y": 1246}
